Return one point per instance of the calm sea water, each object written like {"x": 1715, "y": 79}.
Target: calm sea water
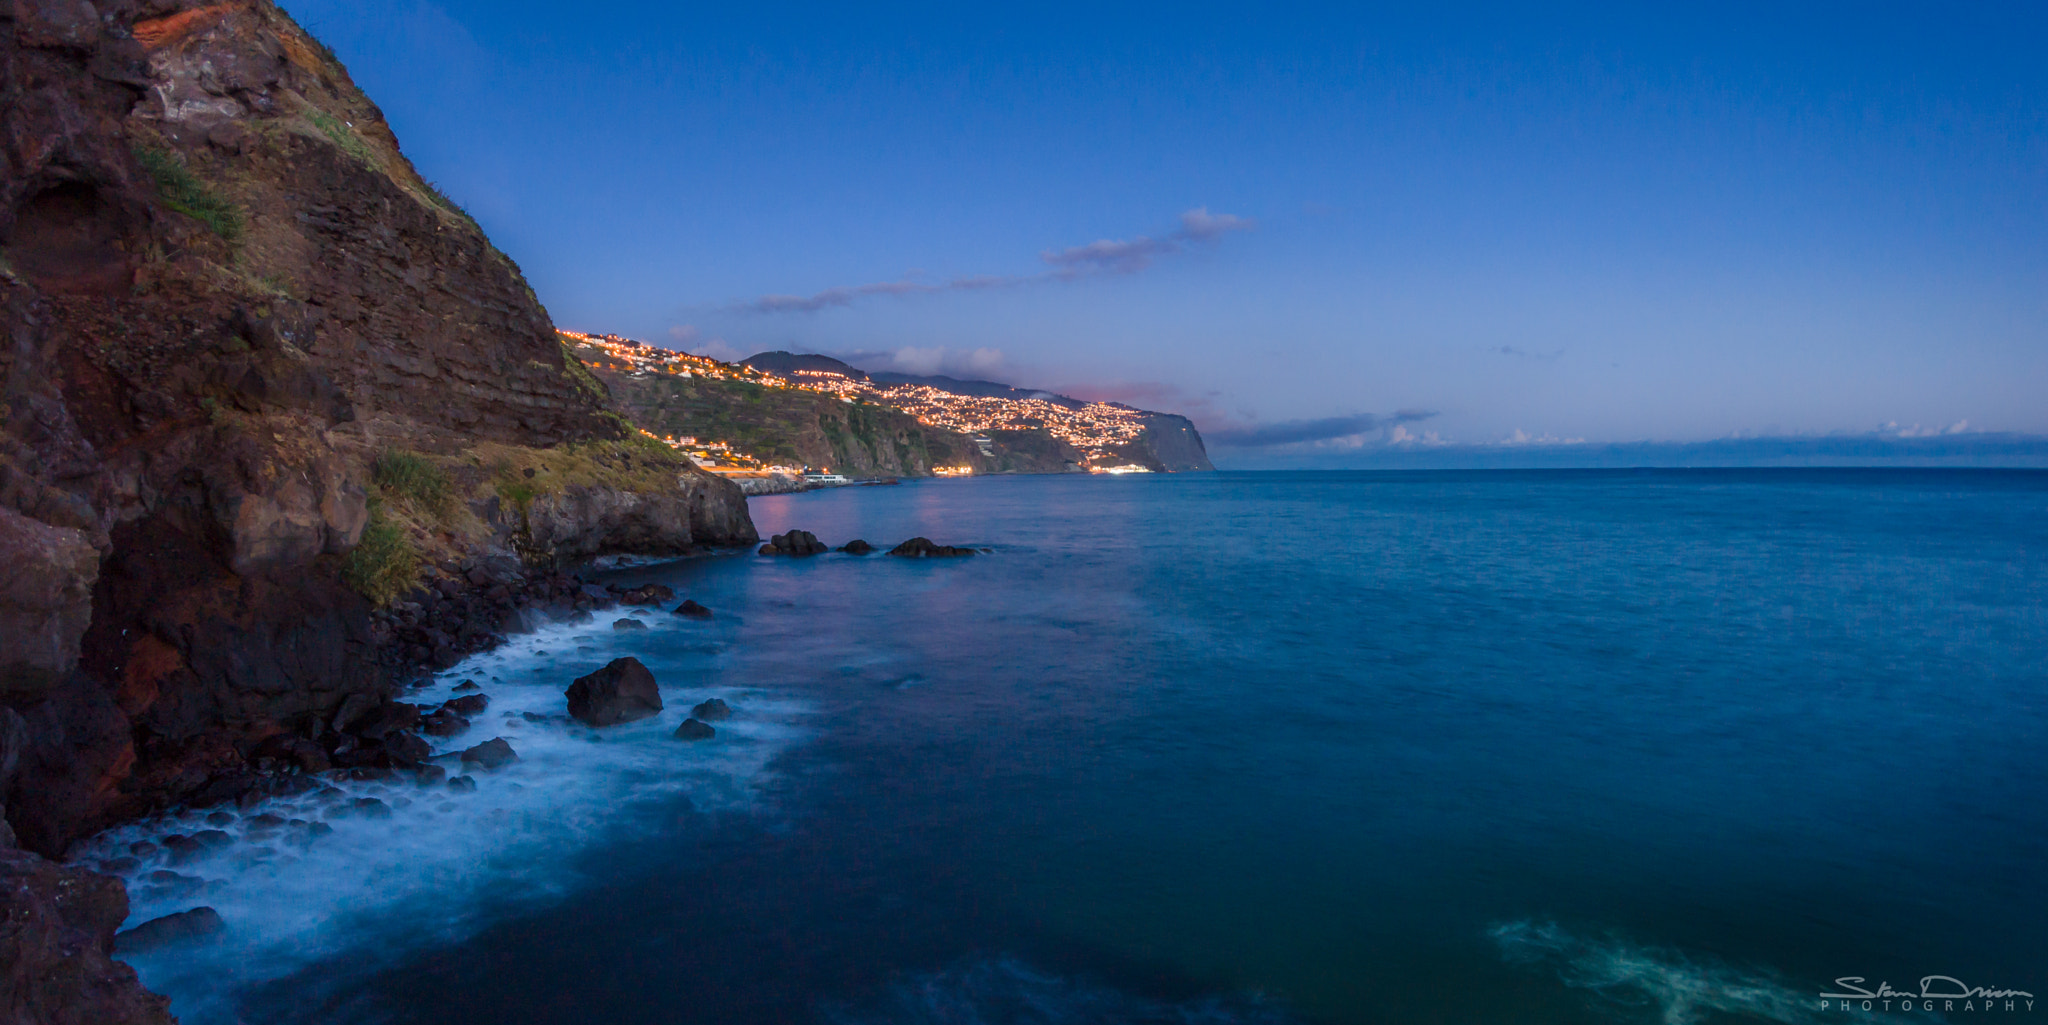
{"x": 1488, "y": 747}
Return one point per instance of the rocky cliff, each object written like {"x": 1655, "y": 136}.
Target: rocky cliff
{"x": 259, "y": 379}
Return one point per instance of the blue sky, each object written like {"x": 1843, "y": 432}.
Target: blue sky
{"x": 1644, "y": 222}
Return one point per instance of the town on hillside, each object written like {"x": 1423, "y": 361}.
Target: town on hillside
{"x": 1099, "y": 430}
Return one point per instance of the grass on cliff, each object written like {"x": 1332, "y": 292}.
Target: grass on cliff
{"x": 385, "y": 565}
{"x": 339, "y": 133}
{"x": 183, "y": 192}
{"x": 410, "y": 477}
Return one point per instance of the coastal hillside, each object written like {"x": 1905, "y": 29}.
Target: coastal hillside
{"x": 746, "y": 417}
{"x": 807, "y": 411}
{"x": 262, "y": 383}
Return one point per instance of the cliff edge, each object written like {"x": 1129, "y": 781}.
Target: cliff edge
{"x": 239, "y": 332}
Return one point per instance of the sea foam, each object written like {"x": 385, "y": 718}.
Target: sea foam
{"x": 444, "y": 863}
{"x": 1675, "y": 987}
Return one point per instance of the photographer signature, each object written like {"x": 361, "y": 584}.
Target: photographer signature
{"x": 1932, "y": 987}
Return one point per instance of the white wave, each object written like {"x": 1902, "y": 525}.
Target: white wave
{"x": 1006, "y": 991}
{"x": 1680, "y": 989}
{"x": 444, "y": 862}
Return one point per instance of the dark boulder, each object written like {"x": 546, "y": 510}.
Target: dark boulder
{"x": 494, "y": 753}
{"x": 693, "y": 610}
{"x": 620, "y": 692}
{"x": 695, "y": 729}
{"x": 57, "y": 926}
{"x": 647, "y": 594}
{"x": 406, "y": 749}
{"x": 385, "y": 719}
{"x": 467, "y": 685}
{"x": 430, "y": 775}
{"x": 628, "y": 624}
{"x": 170, "y": 930}
{"x": 367, "y": 807}
{"x": 462, "y": 785}
{"x": 796, "y": 542}
{"x": 468, "y": 704}
{"x": 923, "y": 548}
{"x": 290, "y": 749}
{"x": 444, "y": 723}
{"x": 712, "y": 710}
{"x": 857, "y": 547}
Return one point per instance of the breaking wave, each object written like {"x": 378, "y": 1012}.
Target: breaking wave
{"x": 1665, "y": 985}
{"x": 369, "y": 870}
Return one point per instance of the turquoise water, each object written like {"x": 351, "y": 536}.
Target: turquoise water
{"x": 1486, "y": 747}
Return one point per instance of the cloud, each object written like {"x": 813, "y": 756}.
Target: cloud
{"x": 1201, "y": 225}
{"x": 1892, "y": 429}
{"x": 927, "y": 360}
{"x": 1297, "y": 432}
{"x": 1103, "y": 256}
{"x": 913, "y": 360}
{"x": 683, "y": 334}
{"x": 1509, "y": 350}
{"x": 1127, "y": 256}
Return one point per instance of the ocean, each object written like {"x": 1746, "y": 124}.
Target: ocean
{"x": 1558, "y": 746}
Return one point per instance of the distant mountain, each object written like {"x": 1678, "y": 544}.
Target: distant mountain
{"x": 1169, "y": 442}
{"x": 786, "y": 363}
{"x": 978, "y": 389}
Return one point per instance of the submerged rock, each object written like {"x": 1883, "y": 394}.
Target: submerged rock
{"x": 923, "y": 548}
{"x": 856, "y": 547}
{"x": 628, "y": 624}
{"x": 693, "y": 610}
{"x": 694, "y": 729}
{"x": 444, "y": 723}
{"x": 462, "y": 784}
{"x": 494, "y": 753}
{"x": 170, "y": 930}
{"x": 622, "y": 691}
{"x": 712, "y": 710}
{"x": 796, "y": 542}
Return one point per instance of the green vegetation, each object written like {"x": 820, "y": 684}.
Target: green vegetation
{"x": 343, "y": 137}
{"x": 183, "y": 192}
{"x": 410, "y": 477}
{"x": 385, "y": 564}
{"x": 574, "y": 370}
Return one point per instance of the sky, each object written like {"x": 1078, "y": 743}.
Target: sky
{"x": 1312, "y": 228}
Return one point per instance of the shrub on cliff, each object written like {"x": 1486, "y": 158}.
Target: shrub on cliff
{"x": 385, "y": 564}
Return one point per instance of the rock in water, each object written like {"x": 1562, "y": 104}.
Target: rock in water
{"x": 468, "y": 704}
{"x": 494, "y": 753}
{"x": 796, "y": 542}
{"x": 693, "y": 610}
{"x": 620, "y": 692}
{"x": 923, "y": 548}
{"x": 648, "y": 594}
{"x": 693, "y": 729}
{"x": 628, "y": 624}
{"x": 857, "y": 547}
{"x": 712, "y": 710}
{"x": 170, "y": 930}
